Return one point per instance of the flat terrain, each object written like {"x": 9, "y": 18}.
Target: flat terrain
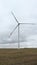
{"x": 18, "y": 56}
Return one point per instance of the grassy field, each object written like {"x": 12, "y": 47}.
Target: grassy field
{"x": 18, "y": 56}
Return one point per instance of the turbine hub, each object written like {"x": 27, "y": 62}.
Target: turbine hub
{"x": 18, "y": 23}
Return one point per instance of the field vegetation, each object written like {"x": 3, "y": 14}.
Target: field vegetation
{"x": 18, "y": 56}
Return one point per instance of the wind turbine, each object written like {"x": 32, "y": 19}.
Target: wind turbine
{"x": 18, "y": 28}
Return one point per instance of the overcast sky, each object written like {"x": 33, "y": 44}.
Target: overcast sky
{"x": 24, "y": 10}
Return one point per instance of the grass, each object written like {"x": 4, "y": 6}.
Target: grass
{"x": 18, "y": 56}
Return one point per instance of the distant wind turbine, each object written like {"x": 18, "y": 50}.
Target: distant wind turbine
{"x": 18, "y": 28}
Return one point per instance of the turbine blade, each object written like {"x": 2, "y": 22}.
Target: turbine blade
{"x": 13, "y": 31}
{"x": 14, "y": 17}
{"x": 29, "y": 23}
